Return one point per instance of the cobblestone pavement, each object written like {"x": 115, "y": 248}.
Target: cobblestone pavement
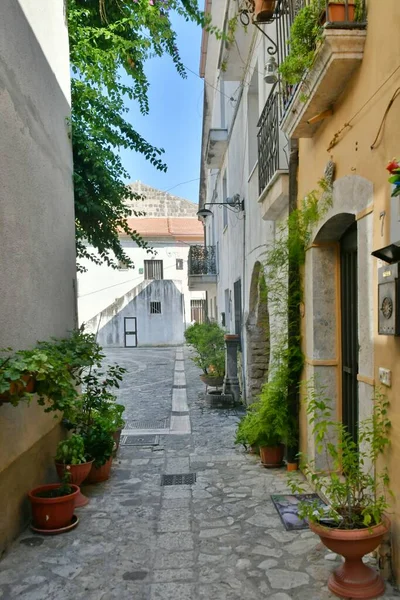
{"x": 219, "y": 539}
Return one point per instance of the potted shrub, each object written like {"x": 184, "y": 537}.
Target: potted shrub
{"x": 207, "y": 341}
{"x": 99, "y": 444}
{"x": 53, "y": 507}
{"x": 355, "y": 523}
{"x": 71, "y": 458}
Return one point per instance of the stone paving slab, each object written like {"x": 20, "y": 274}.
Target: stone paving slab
{"x": 219, "y": 539}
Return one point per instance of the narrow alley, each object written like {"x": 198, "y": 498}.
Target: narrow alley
{"x": 217, "y": 539}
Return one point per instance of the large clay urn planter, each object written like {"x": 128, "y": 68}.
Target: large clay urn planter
{"x": 52, "y": 513}
{"x": 212, "y": 380}
{"x": 98, "y": 474}
{"x": 271, "y": 456}
{"x": 264, "y": 10}
{"x": 78, "y": 476}
{"x": 337, "y": 12}
{"x": 354, "y": 579}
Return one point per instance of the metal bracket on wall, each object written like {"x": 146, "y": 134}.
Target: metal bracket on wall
{"x": 271, "y": 49}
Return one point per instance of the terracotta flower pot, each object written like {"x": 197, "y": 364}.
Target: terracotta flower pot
{"x": 52, "y": 513}
{"x": 337, "y": 12}
{"x": 78, "y": 475}
{"x": 271, "y": 456}
{"x": 212, "y": 380}
{"x": 18, "y": 388}
{"x": 292, "y": 466}
{"x": 264, "y": 10}
{"x": 98, "y": 474}
{"x": 354, "y": 579}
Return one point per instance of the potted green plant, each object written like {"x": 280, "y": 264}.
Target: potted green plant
{"x": 99, "y": 444}
{"x": 207, "y": 341}
{"x": 53, "y": 507}
{"x": 71, "y": 457}
{"x": 355, "y": 523}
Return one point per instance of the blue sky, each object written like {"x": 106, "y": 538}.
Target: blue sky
{"x": 175, "y": 119}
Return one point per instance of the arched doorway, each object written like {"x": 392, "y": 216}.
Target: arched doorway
{"x": 258, "y": 334}
{"x": 349, "y": 329}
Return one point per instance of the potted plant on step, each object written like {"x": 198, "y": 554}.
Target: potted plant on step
{"x": 53, "y": 507}
{"x": 207, "y": 341}
{"x": 355, "y": 522}
{"x": 71, "y": 458}
{"x": 337, "y": 11}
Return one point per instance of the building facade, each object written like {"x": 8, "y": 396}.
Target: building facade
{"x": 37, "y": 230}
{"x": 150, "y": 304}
{"x": 271, "y": 144}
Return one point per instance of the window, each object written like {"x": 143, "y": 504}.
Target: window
{"x": 237, "y": 297}
{"x": 224, "y": 197}
{"x": 179, "y": 264}
{"x": 155, "y": 308}
{"x": 153, "y": 269}
{"x": 122, "y": 266}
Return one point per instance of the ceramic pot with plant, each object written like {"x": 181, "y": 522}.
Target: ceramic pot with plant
{"x": 267, "y": 423}
{"x": 354, "y": 523}
{"x": 71, "y": 458}
{"x": 337, "y": 11}
{"x": 264, "y": 10}
{"x": 99, "y": 444}
{"x": 53, "y": 506}
{"x": 208, "y": 344}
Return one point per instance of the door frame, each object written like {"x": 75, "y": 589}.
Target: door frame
{"x": 129, "y": 332}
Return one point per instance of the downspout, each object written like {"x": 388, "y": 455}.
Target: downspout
{"x": 294, "y": 323}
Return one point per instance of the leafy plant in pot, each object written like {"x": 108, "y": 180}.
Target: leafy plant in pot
{"x": 53, "y": 506}
{"x": 267, "y": 423}
{"x": 71, "y": 458}
{"x": 207, "y": 341}
{"x": 355, "y": 523}
{"x": 99, "y": 444}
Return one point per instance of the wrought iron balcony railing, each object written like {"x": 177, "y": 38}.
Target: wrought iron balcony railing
{"x": 202, "y": 260}
{"x": 271, "y": 141}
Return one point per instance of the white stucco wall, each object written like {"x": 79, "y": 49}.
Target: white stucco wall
{"x": 101, "y": 285}
{"x": 165, "y": 329}
{"x": 37, "y": 230}
{"x": 245, "y": 239}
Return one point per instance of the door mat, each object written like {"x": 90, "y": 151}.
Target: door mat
{"x": 287, "y": 506}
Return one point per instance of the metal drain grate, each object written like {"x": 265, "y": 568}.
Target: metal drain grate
{"x": 183, "y": 479}
{"x": 155, "y": 424}
{"x": 139, "y": 440}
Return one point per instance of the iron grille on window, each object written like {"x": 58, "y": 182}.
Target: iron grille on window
{"x": 198, "y": 310}
{"x": 153, "y": 269}
{"x": 202, "y": 260}
{"x": 155, "y": 308}
{"x": 179, "y": 264}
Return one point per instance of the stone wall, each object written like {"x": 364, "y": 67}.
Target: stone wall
{"x": 157, "y": 203}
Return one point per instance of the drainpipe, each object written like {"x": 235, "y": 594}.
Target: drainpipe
{"x": 294, "y": 324}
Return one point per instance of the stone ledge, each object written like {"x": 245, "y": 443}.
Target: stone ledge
{"x": 340, "y": 53}
{"x": 274, "y": 199}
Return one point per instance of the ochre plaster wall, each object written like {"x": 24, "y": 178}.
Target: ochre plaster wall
{"x": 353, "y": 156}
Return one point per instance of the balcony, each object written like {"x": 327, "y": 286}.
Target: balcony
{"x": 337, "y": 56}
{"x": 273, "y": 178}
{"x": 202, "y": 270}
{"x": 216, "y": 147}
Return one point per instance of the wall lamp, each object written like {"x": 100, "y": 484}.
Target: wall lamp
{"x": 234, "y": 203}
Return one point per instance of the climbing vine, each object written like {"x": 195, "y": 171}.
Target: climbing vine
{"x": 284, "y": 299}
